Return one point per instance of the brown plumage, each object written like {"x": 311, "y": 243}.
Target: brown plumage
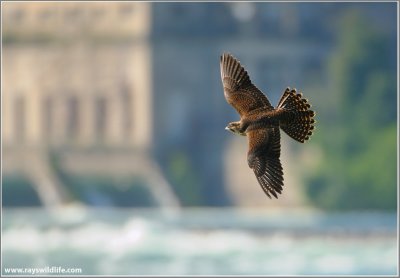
{"x": 260, "y": 122}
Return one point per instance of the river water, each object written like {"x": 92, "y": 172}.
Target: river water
{"x": 200, "y": 242}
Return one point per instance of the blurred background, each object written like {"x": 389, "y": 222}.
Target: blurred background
{"x": 115, "y": 158}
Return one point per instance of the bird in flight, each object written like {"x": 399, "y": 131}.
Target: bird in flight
{"x": 261, "y": 122}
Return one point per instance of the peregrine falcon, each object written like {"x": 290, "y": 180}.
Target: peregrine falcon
{"x": 260, "y": 122}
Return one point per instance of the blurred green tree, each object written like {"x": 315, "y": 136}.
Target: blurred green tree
{"x": 359, "y": 140}
{"x": 182, "y": 176}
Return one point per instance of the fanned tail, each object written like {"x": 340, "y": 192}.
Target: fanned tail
{"x": 299, "y": 122}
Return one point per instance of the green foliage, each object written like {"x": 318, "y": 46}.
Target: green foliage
{"x": 360, "y": 144}
{"x": 359, "y": 181}
{"x": 182, "y": 177}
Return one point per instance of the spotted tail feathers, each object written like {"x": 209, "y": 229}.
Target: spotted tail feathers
{"x": 299, "y": 122}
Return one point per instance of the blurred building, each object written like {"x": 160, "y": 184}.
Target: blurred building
{"x": 77, "y": 79}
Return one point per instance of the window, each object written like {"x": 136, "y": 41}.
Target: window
{"x": 73, "y": 117}
{"x": 19, "y": 119}
{"x": 48, "y": 114}
{"x": 100, "y": 117}
{"x": 126, "y": 110}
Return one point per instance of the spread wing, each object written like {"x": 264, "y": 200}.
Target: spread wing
{"x": 238, "y": 89}
{"x": 263, "y": 158}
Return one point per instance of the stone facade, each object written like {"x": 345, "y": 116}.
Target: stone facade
{"x": 77, "y": 76}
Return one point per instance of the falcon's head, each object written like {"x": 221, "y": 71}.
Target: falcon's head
{"x": 234, "y": 128}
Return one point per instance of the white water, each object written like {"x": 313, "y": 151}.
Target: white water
{"x": 202, "y": 242}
